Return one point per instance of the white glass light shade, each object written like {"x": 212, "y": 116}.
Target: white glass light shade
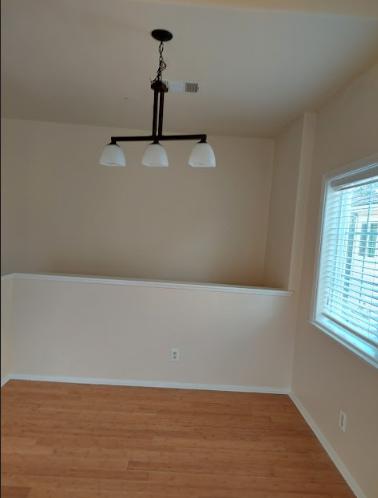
{"x": 155, "y": 156}
{"x": 113, "y": 155}
{"x": 202, "y": 156}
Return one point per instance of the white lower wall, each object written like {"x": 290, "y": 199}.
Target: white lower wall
{"x": 124, "y": 331}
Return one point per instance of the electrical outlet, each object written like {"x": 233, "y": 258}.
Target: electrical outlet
{"x": 175, "y": 354}
{"x": 342, "y": 421}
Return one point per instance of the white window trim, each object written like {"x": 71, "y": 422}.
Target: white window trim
{"x": 339, "y": 332}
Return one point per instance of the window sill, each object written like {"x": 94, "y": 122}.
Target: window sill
{"x": 356, "y": 345}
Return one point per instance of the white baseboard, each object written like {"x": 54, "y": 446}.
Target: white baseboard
{"x": 328, "y": 448}
{"x": 150, "y": 383}
{"x": 5, "y": 379}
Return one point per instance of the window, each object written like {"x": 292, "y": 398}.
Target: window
{"x": 346, "y": 304}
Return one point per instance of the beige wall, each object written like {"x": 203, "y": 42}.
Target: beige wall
{"x": 288, "y": 202}
{"x": 100, "y": 330}
{"x": 64, "y": 213}
{"x": 326, "y": 376}
{"x": 282, "y": 206}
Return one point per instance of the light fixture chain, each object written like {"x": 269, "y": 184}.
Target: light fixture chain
{"x": 162, "y": 63}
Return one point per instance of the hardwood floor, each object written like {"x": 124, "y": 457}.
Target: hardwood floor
{"x": 79, "y": 441}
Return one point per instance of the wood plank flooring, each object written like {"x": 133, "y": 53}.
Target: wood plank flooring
{"x": 79, "y": 441}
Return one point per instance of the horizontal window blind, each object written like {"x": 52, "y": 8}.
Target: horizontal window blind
{"x": 347, "y": 297}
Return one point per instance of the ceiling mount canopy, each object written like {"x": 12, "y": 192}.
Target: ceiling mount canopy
{"x": 155, "y": 155}
{"x": 161, "y": 35}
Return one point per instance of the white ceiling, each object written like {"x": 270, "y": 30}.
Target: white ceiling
{"x": 76, "y": 61}
{"x": 343, "y": 7}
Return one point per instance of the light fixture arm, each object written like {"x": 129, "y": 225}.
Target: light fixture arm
{"x": 155, "y": 112}
{"x": 161, "y": 112}
{"x": 148, "y": 138}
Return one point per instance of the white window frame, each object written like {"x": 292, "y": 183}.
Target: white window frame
{"x": 359, "y": 169}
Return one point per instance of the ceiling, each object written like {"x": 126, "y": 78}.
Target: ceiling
{"x": 343, "y": 7}
{"x": 90, "y": 61}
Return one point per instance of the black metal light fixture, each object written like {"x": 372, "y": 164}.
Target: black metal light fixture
{"x": 155, "y": 155}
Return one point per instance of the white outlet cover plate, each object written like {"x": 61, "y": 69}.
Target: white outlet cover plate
{"x": 175, "y": 354}
{"x": 342, "y": 421}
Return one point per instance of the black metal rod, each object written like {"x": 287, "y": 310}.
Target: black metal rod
{"x": 155, "y": 111}
{"x": 161, "y": 112}
{"x": 201, "y": 137}
{"x": 145, "y": 138}
{"x": 148, "y": 138}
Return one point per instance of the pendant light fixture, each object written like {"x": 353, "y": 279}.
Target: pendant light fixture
{"x": 202, "y": 155}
